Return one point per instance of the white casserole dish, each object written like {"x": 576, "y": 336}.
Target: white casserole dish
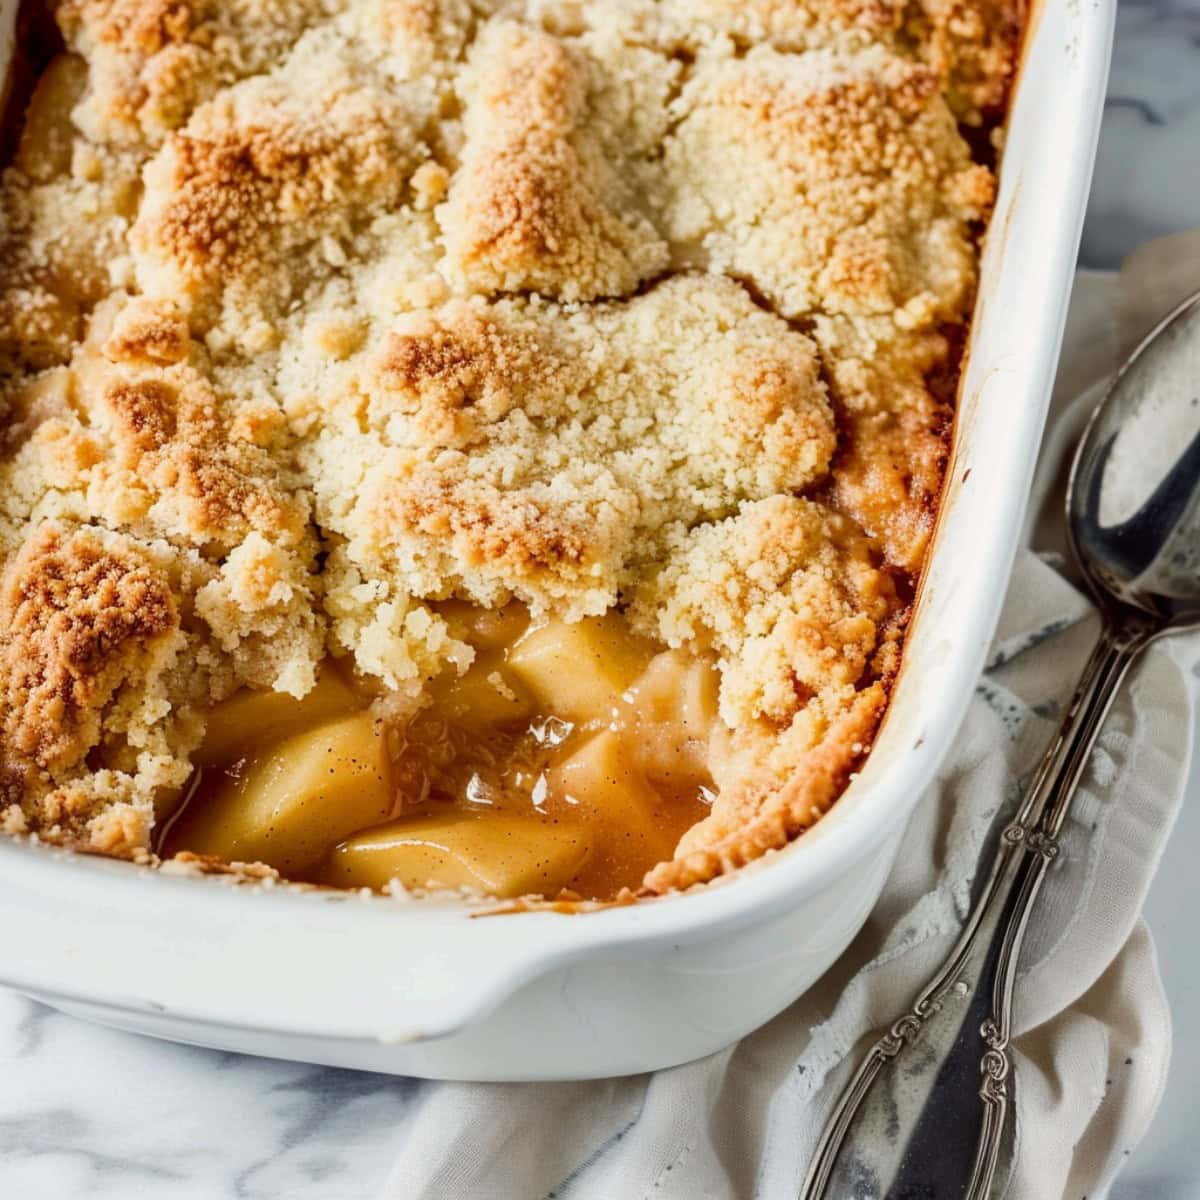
{"x": 427, "y": 989}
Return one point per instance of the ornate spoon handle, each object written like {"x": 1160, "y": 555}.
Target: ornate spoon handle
{"x": 926, "y": 1111}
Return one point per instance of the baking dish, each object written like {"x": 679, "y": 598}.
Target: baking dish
{"x": 431, "y": 989}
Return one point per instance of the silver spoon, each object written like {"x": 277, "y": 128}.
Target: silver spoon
{"x": 928, "y": 1111}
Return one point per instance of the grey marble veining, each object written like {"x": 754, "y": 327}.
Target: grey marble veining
{"x": 90, "y": 1112}
{"x": 1147, "y": 179}
{"x": 93, "y": 1114}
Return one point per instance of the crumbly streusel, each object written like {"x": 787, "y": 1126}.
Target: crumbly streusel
{"x": 313, "y": 312}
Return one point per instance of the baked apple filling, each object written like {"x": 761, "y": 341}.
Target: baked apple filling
{"x": 566, "y": 756}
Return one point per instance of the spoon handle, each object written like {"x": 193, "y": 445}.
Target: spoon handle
{"x": 926, "y": 1111}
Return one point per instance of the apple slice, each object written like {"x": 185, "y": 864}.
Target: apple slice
{"x": 250, "y": 719}
{"x": 48, "y": 133}
{"x": 484, "y": 628}
{"x": 486, "y": 696}
{"x": 677, "y": 687}
{"x": 579, "y": 671}
{"x": 602, "y": 778}
{"x": 675, "y": 702}
{"x": 496, "y": 853}
{"x": 290, "y": 805}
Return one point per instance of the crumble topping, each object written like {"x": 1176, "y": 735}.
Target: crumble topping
{"x": 236, "y": 199}
{"x": 855, "y": 193}
{"x": 317, "y": 312}
{"x": 971, "y": 44}
{"x": 83, "y": 613}
{"x": 152, "y": 61}
{"x": 786, "y": 593}
{"x": 546, "y": 198}
{"x": 528, "y": 449}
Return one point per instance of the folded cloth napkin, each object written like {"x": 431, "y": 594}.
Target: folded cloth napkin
{"x": 1092, "y": 1024}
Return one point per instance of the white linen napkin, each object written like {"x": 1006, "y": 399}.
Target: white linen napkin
{"x": 1092, "y": 1024}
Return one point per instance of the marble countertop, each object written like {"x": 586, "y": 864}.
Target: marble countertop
{"x": 1147, "y": 179}
{"x": 88, "y": 1112}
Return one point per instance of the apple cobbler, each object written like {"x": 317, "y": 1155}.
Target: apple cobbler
{"x": 483, "y": 444}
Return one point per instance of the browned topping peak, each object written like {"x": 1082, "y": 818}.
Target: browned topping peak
{"x": 147, "y": 25}
{"x": 81, "y": 613}
{"x": 264, "y": 170}
{"x": 145, "y": 412}
{"x": 146, "y": 331}
{"x": 232, "y": 190}
{"x": 459, "y": 367}
{"x": 173, "y": 437}
{"x": 536, "y": 204}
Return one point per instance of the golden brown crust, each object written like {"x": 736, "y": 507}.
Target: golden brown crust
{"x": 316, "y": 312}
{"x": 562, "y": 500}
{"x": 256, "y": 177}
{"x": 458, "y": 369}
{"x": 970, "y": 44}
{"x": 887, "y": 185}
{"x": 764, "y": 811}
{"x": 80, "y": 615}
{"x": 536, "y": 205}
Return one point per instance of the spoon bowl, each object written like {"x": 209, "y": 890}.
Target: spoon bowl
{"x": 1133, "y": 501}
